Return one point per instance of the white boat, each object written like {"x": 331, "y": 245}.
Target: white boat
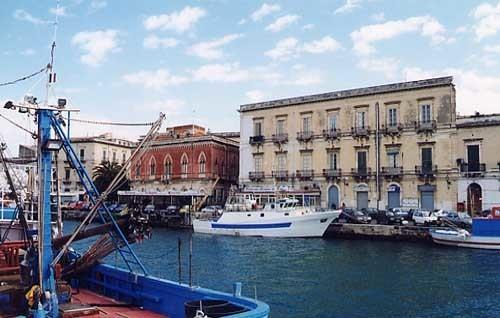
{"x": 485, "y": 235}
{"x": 283, "y": 218}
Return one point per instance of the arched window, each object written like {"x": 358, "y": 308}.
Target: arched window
{"x": 168, "y": 167}
{"x": 184, "y": 165}
{"x": 152, "y": 166}
{"x": 138, "y": 170}
{"x": 202, "y": 163}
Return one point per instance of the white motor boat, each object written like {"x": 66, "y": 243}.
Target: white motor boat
{"x": 485, "y": 235}
{"x": 283, "y": 218}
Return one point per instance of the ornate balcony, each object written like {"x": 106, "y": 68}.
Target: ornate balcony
{"x": 332, "y": 174}
{"x": 304, "y": 136}
{"x": 392, "y": 172}
{"x": 280, "y": 138}
{"x": 305, "y": 174}
{"x": 332, "y": 133}
{"x": 256, "y": 176}
{"x": 393, "y": 129}
{"x": 280, "y": 175}
{"x": 361, "y": 173}
{"x": 472, "y": 170}
{"x": 426, "y": 171}
{"x": 426, "y": 126}
{"x": 359, "y": 132}
{"x": 257, "y": 140}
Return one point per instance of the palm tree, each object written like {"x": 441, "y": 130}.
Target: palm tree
{"x": 104, "y": 173}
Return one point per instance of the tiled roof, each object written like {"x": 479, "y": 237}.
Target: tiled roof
{"x": 356, "y": 92}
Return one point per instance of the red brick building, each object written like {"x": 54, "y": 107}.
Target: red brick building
{"x": 189, "y": 159}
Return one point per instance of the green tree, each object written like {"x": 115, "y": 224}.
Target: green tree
{"x": 104, "y": 174}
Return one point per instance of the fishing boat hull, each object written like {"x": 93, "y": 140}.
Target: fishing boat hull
{"x": 307, "y": 225}
{"x": 460, "y": 239}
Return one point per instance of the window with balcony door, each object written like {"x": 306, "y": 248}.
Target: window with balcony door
{"x": 184, "y": 166}
{"x": 280, "y": 126}
{"x": 257, "y": 128}
{"x": 426, "y": 160}
{"x": 332, "y": 121}
{"x": 258, "y": 163}
{"x": 361, "y": 156}
{"x": 114, "y": 156}
{"x": 152, "y": 167}
{"x": 138, "y": 170}
{"x": 392, "y": 159}
{"x": 124, "y": 157}
{"x": 104, "y": 155}
{"x": 281, "y": 162}
{"x": 473, "y": 163}
{"x": 425, "y": 113}
{"x": 333, "y": 160}
{"x": 67, "y": 174}
{"x": 307, "y": 161}
{"x": 202, "y": 163}
{"x": 82, "y": 154}
{"x": 306, "y": 124}
{"x": 168, "y": 168}
{"x": 392, "y": 117}
{"x": 361, "y": 119}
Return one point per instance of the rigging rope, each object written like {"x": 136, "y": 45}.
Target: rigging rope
{"x": 109, "y": 123}
{"x": 25, "y": 77}
{"x": 34, "y": 135}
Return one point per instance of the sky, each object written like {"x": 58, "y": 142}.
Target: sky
{"x": 197, "y": 61}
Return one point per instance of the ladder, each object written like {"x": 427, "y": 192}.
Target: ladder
{"x": 118, "y": 238}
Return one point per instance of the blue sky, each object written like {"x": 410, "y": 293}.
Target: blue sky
{"x": 198, "y": 61}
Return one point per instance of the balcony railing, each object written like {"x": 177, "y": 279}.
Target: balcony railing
{"x": 392, "y": 172}
{"x": 332, "y": 133}
{"x": 256, "y": 175}
{"x": 280, "y": 175}
{"x": 332, "y": 173}
{"x": 304, "y": 136}
{"x": 361, "y": 131}
{"x": 280, "y": 138}
{"x": 426, "y": 171}
{"x": 307, "y": 174}
{"x": 166, "y": 178}
{"x": 393, "y": 129}
{"x": 257, "y": 140}
{"x": 472, "y": 169}
{"x": 361, "y": 172}
{"x": 426, "y": 126}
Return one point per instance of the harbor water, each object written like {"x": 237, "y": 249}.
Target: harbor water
{"x": 323, "y": 278}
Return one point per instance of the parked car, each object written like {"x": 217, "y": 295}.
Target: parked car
{"x": 390, "y": 218}
{"x": 422, "y": 217}
{"x": 371, "y": 212}
{"x": 461, "y": 219}
{"x": 150, "y": 208}
{"x": 350, "y": 215}
{"x": 401, "y": 212}
{"x": 172, "y": 210}
{"x": 441, "y": 213}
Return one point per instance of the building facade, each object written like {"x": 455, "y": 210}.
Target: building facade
{"x": 92, "y": 151}
{"x": 383, "y": 146}
{"x": 187, "y": 159}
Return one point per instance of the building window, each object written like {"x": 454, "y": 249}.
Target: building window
{"x": 104, "y": 155}
{"x": 67, "y": 174}
{"x": 138, "y": 170}
{"x": 392, "y": 158}
{"x": 257, "y": 128}
{"x": 392, "y": 117}
{"x": 202, "y": 163}
{"x": 280, "y": 126}
{"x": 152, "y": 167}
{"x": 82, "y": 154}
{"x": 473, "y": 161}
{"x": 425, "y": 113}
{"x": 306, "y": 123}
{"x": 281, "y": 162}
{"x": 114, "y": 156}
{"x": 332, "y": 121}
{"x": 426, "y": 160}
{"x": 333, "y": 160}
{"x": 361, "y": 119}
{"x": 168, "y": 168}
{"x": 258, "y": 163}
{"x": 124, "y": 157}
{"x": 307, "y": 161}
{"x": 361, "y": 156}
{"x": 184, "y": 165}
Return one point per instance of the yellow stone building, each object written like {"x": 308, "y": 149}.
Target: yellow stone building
{"x": 383, "y": 146}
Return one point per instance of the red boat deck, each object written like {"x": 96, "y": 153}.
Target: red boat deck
{"x": 109, "y": 307}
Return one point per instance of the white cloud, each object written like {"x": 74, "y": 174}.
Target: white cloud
{"x": 226, "y": 73}
{"x": 23, "y": 15}
{"x": 388, "y": 66}
{"x": 461, "y": 29}
{"x": 492, "y": 48}
{"x": 212, "y": 50}
{"x": 154, "y": 42}
{"x": 179, "y": 21}
{"x": 488, "y": 20}
{"x": 364, "y": 38}
{"x": 61, "y": 11}
{"x": 168, "y": 106}
{"x": 158, "y": 79}
{"x": 96, "y": 5}
{"x": 475, "y": 92}
{"x": 264, "y": 10}
{"x": 305, "y": 78}
{"x": 323, "y": 45}
{"x": 284, "y": 49}
{"x": 290, "y": 47}
{"x": 242, "y": 21}
{"x": 96, "y": 45}
{"x": 255, "y": 96}
{"x": 282, "y": 22}
{"x": 378, "y": 17}
{"x": 348, "y": 6}
{"x": 309, "y": 26}
{"x": 28, "y": 52}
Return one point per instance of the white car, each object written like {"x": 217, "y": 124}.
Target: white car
{"x": 421, "y": 217}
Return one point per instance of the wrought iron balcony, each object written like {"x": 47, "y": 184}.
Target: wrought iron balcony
{"x": 361, "y": 131}
{"x": 257, "y": 140}
{"x": 426, "y": 171}
{"x": 426, "y": 126}
{"x": 256, "y": 175}
{"x": 393, "y": 129}
{"x": 392, "y": 172}
{"x": 332, "y": 133}
{"x": 305, "y": 136}
{"x": 361, "y": 172}
{"x": 280, "y": 138}
{"x": 470, "y": 170}
{"x": 305, "y": 174}
{"x": 332, "y": 173}
{"x": 280, "y": 175}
